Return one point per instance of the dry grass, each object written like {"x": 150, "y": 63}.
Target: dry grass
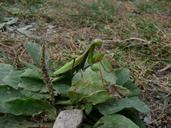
{"x": 71, "y": 25}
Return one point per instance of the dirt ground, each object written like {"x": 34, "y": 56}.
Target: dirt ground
{"x": 136, "y": 34}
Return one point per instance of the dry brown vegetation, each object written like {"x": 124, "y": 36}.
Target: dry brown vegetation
{"x": 136, "y": 34}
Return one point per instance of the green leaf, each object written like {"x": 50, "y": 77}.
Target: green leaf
{"x": 133, "y": 115}
{"x": 122, "y": 76}
{"x": 116, "y": 106}
{"x": 88, "y": 77}
{"x": 97, "y": 97}
{"x": 106, "y": 71}
{"x": 96, "y": 81}
{"x": 88, "y": 108}
{"x": 32, "y": 84}
{"x": 13, "y": 79}
{"x": 78, "y": 63}
{"x": 33, "y": 50}
{"x": 89, "y": 86}
{"x": 61, "y": 85}
{"x": 34, "y": 95}
{"x": 7, "y": 93}
{"x": 107, "y": 65}
{"x": 21, "y": 122}
{"x": 122, "y": 90}
{"x": 29, "y": 65}
{"x": 116, "y": 78}
{"x": 134, "y": 90}
{"x": 61, "y": 88}
{"x": 9, "y": 122}
{"x": 32, "y": 73}
{"x": 31, "y": 79}
{"x": 4, "y": 70}
{"x": 29, "y": 107}
{"x": 115, "y": 121}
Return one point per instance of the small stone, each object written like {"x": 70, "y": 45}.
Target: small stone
{"x": 148, "y": 119}
{"x": 69, "y": 119}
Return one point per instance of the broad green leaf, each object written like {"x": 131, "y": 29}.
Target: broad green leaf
{"x": 7, "y": 93}
{"x": 21, "y": 122}
{"x": 31, "y": 79}
{"x": 4, "y": 70}
{"x": 122, "y": 90}
{"x": 90, "y": 87}
{"x": 97, "y": 97}
{"x": 61, "y": 88}
{"x": 109, "y": 77}
{"x": 61, "y": 85}
{"x": 116, "y": 106}
{"x": 133, "y": 115}
{"x": 29, "y": 107}
{"x": 79, "y": 62}
{"x": 115, "y": 78}
{"x": 94, "y": 97}
{"x": 9, "y": 122}
{"x": 107, "y": 65}
{"x": 134, "y": 90}
{"x": 106, "y": 71}
{"x": 115, "y": 121}
{"x": 95, "y": 81}
{"x": 34, "y": 95}
{"x": 107, "y": 74}
{"x": 29, "y": 65}
{"x": 32, "y": 84}
{"x": 122, "y": 76}
{"x": 33, "y": 50}
{"x": 88, "y": 77}
{"x": 32, "y": 73}
{"x": 13, "y": 79}
{"x": 88, "y": 108}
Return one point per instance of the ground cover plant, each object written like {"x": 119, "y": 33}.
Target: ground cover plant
{"x": 88, "y": 82}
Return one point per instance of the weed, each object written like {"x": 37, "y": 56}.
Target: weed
{"x": 89, "y": 79}
{"x": 95, "y": 14}
{"x": 148, "y": 20}
{"x": 152, "y": 7}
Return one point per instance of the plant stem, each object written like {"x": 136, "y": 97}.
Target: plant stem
{"x": 46, "y": 77}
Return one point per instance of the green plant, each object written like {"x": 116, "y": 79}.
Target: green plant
{"x": 88, "y": 82}
{"x": 20, "y": 8}
{"x": 156, "y": 7}
{"x": 95, "y": 14}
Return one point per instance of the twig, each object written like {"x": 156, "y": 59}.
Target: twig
{"x": 138, "y": 39}
{"x": 146, "y": 42}
{"x": 165, "y": 68}
{"x": 17, "y": 60}
{"x": 164, "y": 34}
{"x": 158, "y": 118}
{"x": 30, "y": 37}
{"x": 3, "y": 45}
